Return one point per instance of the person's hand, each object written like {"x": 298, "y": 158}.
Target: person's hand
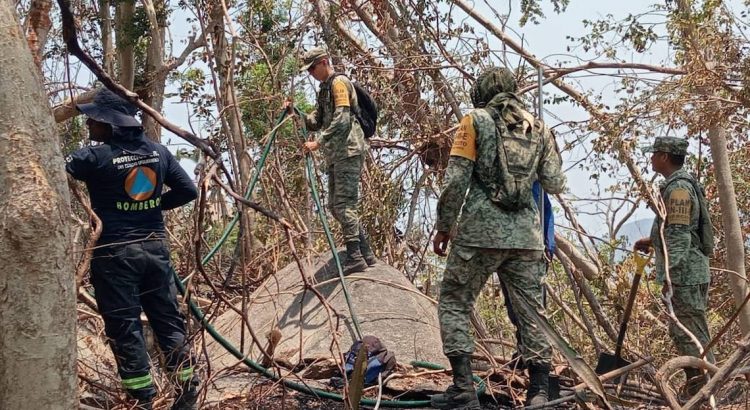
{"x": 289, "y": 107}
{"x": 310, "y": 146}
{"x": 440, "y": 242}
{"x": 643, "y": 245}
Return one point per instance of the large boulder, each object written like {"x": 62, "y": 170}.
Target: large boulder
{"x": 385, "y": 302}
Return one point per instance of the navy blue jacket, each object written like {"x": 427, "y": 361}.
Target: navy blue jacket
{"x": 125, "y": 178}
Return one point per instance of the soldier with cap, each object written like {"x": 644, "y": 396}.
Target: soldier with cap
{"x": 493, "y": 238}
{"x": 342, "y": 141}
{"x": 130, "y": 269}
{"x": 688, "y": 240}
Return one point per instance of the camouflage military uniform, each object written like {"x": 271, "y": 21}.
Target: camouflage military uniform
{"x": 688, "y": 265}
{"x": 343, "y": 146}
{"x": 490, "y": 238}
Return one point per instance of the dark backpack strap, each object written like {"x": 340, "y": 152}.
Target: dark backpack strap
{"x": 328, "y": 84}
{"x": 355, "y": 110}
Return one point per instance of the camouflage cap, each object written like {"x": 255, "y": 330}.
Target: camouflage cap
{"x": 491, "y": 82}
{"x": 312, "y": 56}
{"x": 671, "y": 145}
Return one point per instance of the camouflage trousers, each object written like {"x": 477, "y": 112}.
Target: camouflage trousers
{"x": 690, "y": 303}
{"x": 466, "y": 272}
{"x": 343, "y": 194}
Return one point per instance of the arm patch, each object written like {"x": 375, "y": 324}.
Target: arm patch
{"x": 679, "y": 207}
{"x": 340, "y": 93}
{"x": 465, "y": 142}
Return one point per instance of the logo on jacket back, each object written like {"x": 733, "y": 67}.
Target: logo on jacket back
{"x": 140, "y": 183}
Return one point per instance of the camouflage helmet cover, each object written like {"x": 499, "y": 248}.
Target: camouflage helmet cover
{"x": 491, "y": 82}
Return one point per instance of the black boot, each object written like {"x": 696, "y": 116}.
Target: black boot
{"x": 516, "y": 361}
{"x": 186, "y": 395}
{"x": 694, "y": 381}
{"x": 143, "y": 397}
{"x": 461, "y": 395}
{"x": 538, "y": 392}
{"x": 364, "y": 247}
{"x": 354, "y": 261}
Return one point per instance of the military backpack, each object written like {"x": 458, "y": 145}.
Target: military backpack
{"x": 519, "y": 149}
{"x": 380, "y": 361}
{"x": 366, "y": 111}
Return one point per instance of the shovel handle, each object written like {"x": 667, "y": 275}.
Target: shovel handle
{"x": 626, "y": 315}
{"x": 640, "y": 263}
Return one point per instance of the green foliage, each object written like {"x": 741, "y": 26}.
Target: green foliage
{"x": 133, "y": 30}
{"x": 73, "y": 134}
{"x": 263, "y": 17}
{"x": 192, "y": 89}
{"x": 531, "y": 10}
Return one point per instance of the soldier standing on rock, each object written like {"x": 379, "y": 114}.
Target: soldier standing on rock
{"x": 343, "y": 144}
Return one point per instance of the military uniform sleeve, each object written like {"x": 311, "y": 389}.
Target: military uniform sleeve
{"x": 465, "y": 142}
{"x": 182, "y": 189}
{"x": 81, "y": 164}
{"x": 341, "y": 124}
{"x": 550, "y": 165}
{"x": 457, "y": 175}
{"x": 679, "y": 202}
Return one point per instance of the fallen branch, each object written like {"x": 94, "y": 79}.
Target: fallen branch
{"x": 721, "y": 376}
{"x": 253, "y": 205}
{"x": 666, "y": 371}
{"x": 96, "y": 231}
{"x": 580, "y": 387}
{"x": 596, "y": 308}
{"x": 566, "y": 309}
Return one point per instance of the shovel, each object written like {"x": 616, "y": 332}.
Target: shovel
{"x": 608, "y": 361}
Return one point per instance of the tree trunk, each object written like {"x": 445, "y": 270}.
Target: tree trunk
{"x": 37, "y": 286}
{"x": 153, "y": 94}
{"x": 226, "y": 103}
{"x": 124, "y": 11}
{"x": 108, "y": 61}
{"x": 67, "y": 109}
{"x": 717, "y": 135}
{"x": 730, "y": 220}
{"x": 38, "y": 26}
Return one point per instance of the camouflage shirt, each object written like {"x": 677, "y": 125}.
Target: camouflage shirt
{"x": 340, "y": 134}
{"x": 483, "y": 223}
{"x": 687, "y": 263}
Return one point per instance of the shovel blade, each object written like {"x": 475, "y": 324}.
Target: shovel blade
{"x": 608, "y": 362}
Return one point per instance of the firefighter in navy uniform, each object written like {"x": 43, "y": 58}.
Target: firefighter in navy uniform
{"x": 130, "y": 267}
